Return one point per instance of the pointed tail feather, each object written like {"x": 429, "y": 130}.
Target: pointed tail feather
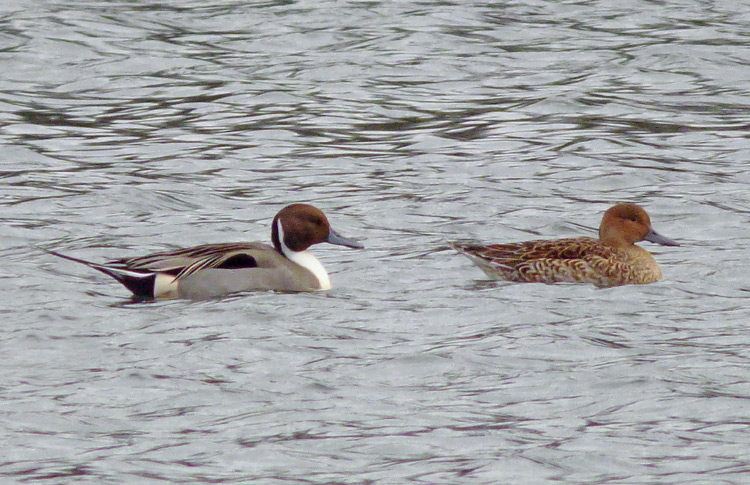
{"x": 141, "y": 283}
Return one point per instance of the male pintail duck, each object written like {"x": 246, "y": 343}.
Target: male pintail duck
{"x": 212, "y": 270}
{"x": 611, "y": 260}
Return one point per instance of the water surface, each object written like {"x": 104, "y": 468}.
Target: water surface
{"x": 130, "y": 127}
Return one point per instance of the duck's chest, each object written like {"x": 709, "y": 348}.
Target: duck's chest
{"x": 630, "y": 266}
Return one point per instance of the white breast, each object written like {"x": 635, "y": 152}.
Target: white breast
{"x": 305, "y": 259}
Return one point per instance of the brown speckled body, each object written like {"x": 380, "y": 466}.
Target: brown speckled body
{"x": 611, "y": 260}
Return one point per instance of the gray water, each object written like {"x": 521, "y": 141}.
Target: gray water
{"x": 137, "y": 126}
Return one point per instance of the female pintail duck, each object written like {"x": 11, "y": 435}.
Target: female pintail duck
{"x": 611, "y": 260}
{"x": 217, "y": 269}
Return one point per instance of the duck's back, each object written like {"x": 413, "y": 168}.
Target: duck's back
{"x": 239, "y": 254}
{"x": 574, "y": 260}
{"x": 216, "y": 269}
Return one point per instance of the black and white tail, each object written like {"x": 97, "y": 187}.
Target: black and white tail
{"x": 140, "y": 283}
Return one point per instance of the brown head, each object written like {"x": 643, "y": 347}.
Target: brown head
{"x": 298, "y": 226}
{"x": 625, "y": 224}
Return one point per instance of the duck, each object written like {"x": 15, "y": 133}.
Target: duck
{"x": 214, "y": 270}
{"x": 612, "y": 260}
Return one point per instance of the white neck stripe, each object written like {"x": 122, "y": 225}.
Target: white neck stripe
{"x": 306, "y": 259}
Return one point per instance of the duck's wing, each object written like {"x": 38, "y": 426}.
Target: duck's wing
{"x": 184, "y": 262}
{"x": 140, "y": 274}
{"x": 543, "y": 261}
{"x": 573, "y": 248}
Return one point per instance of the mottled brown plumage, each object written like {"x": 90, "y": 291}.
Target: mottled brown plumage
{"x": 611, "y": 260}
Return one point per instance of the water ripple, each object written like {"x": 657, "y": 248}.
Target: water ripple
{"x": 133, "y": 127}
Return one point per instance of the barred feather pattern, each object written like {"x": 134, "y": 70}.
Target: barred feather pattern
{"x": 579, "y": 260}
